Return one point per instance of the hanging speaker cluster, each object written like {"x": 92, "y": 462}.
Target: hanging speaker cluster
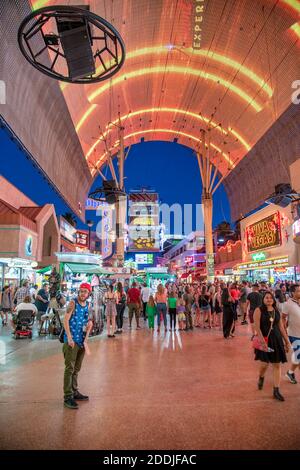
{"x": 71, "y": 44}
{"x": 109, "y": 192}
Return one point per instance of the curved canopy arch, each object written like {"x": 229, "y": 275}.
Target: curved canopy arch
{"x": 217, "y": 152}
{"x": 251, "y": 48}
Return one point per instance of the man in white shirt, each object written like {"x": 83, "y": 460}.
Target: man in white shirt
{"x": 145, "y": 294}
{"x": 291, "y": 312}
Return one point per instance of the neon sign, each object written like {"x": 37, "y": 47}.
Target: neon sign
{"x": 265, "y": 233}
{"x": 269, "y": 263}
{"x": 258, "y": 256}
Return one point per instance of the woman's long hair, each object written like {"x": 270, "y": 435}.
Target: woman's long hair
{"x": 120, "y": 288}
{"x": 160, "y": 289}
{"x": 279, "y": 296}
{"x": 151, "y": 302}
{"x": 225, "y": 295}
{"x": 263, "y": 306}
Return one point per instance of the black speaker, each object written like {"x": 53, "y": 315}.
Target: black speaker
{"x": 283, "y": 188}
{"x": 75, "y": 38}
{"x": 110, "y": 188}
{"x": 283, "y": 196}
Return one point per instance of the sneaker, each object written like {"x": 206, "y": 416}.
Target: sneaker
{"x": 291, "y": 377}
{"x": 277, "y": 395}
{"x": 70, "y": 403}
{"x": 78, "y": 396}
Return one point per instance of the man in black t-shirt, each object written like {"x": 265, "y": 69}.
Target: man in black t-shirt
{"x": 263, "y": 288}
{"x": 42, "y": 301}
{"x": 254, "y": 300}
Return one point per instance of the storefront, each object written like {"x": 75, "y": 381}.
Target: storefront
{"x": 75, "y": 268}
{"x": 270, "y": 270}
{"x": 29, "y": 238}
{"x": 269, "y": 251}
{"x": 155, "y": 276}
{"x": 14, "y": 270}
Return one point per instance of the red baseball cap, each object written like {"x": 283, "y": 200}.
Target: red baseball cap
{"x": 86, "y": 285}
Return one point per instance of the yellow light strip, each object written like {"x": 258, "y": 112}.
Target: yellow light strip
{"x": 296, "y": 29}
{"x": 168, "y": 110}
{"x": 85, "y": 116}
{"x": 162, "y": 69}
{"x": 182, "y": 71}
{"x": 39, "y": 4}
{"x": 294, "y": 4}
{"x": 168, "y": 131}
{"x": 240, "y": 138}
{"x": 224, "y": 60}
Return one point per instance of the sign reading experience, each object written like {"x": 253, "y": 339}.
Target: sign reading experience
{"x": 265, "y": 233}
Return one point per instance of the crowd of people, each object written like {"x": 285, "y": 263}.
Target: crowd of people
{"x": 272, "y": 311}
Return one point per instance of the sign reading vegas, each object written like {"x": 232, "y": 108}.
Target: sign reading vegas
{"x": 265, "y": 233}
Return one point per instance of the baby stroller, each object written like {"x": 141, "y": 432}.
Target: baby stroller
{"x": 24, "y": 322}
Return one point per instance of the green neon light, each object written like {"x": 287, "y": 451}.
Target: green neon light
{"x": 258, "y": 256}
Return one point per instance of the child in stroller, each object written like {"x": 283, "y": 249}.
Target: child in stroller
{"x": 23, "y": 318}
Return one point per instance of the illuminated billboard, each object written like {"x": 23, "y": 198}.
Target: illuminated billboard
{"x": 265, "y": 233}
{"x": 144, "y": 258}
{"x": 143, "y": 222}
{"x": 82, "y": 239}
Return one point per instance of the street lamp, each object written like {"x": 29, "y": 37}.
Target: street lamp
{"x": 89, "y": 223}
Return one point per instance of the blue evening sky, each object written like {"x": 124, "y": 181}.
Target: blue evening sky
{"x": 169, "y": 168}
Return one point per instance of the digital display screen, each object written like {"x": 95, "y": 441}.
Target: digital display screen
{"x": 144, "y": 258}
{"x": 143, "y": 227}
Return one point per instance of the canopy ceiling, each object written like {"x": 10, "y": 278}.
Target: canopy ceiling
{"x": 240, "y": 78}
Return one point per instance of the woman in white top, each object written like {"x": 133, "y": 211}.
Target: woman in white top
{"x": 111, "y": 299}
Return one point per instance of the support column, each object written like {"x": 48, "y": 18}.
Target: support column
{"x": 121, "y": 204}
{"x": 121, "y": 209}
{"x": 208, "y": 235}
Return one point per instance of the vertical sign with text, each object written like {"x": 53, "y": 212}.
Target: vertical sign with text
{"x": 197, "y": 21}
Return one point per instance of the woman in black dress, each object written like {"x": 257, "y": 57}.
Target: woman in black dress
{"x": 228, "y": 314}
{"x": 267, "y": 321}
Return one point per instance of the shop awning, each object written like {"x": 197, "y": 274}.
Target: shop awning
{"x": 46, "y": 270}
{"x": 159, "y": 275}
{"x": 80, "y": 268}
